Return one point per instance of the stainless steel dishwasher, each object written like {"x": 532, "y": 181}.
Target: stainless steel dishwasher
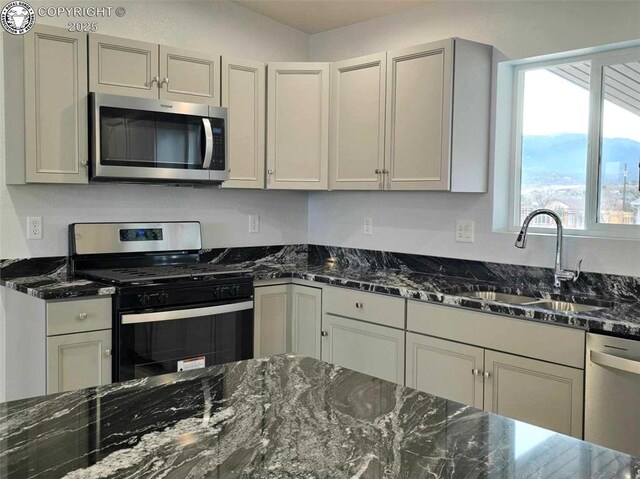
{"x": 612, "y": 395}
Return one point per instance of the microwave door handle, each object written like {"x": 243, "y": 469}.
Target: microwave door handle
{"x": 185, "y": 313}
{"x": 208, "y": 146}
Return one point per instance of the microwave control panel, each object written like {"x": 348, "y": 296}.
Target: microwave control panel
{"x": 217, "y": 160}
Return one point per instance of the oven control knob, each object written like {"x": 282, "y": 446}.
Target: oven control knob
{"x": 164, "y": 297}
{"x": 145, "y": 299}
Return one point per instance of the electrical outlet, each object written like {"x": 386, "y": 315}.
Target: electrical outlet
{"x": 254, "y": 223}
{"x": 34, "y": 227}
{"x": 464, "y": 231}
{"x": 367, "y": 226}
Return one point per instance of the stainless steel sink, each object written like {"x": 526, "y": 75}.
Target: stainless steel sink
{"x": 556, "y": 305}
{"x": 499, "y": 297}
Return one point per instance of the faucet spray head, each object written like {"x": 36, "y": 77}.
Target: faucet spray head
{"x": 521, "y": 242}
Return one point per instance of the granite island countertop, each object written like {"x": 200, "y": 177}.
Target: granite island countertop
{"x": 620, "y": 317}
{"x": 281, "y": 417}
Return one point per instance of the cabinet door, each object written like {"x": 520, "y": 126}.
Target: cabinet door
{"x": 306, "y": 317}
{"x": 544, "y": 394}
{"x": 76, "y": 361}
{"x": 243, "y": 93}
{"x": 189, "y": 76}
{"x": 297, "y": 126}
{"x": 419, "y": 102}
{"x": 445, "y": 368}
{"x": 56, "y": 118}
{"x": 119, "y": 66}
{"x": 356, "y": 142}
{"x": 271, "y": 311}
{"x": 364, "y": 347}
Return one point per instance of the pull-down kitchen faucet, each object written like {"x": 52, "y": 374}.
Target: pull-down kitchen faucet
{"x": 559, "y": 273}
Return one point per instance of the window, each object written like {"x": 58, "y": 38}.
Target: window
{"x": 576, "y": 143}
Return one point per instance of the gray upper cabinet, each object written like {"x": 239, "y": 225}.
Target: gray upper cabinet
{"x": 243, "y": 94}
{"x": 189, "y": 76}
{"x": 46, "y": 95}
{"x": 356, "y": 141}
{"x": 438, "y": 116}
{"x": 121, "y": 66}
{"x": 297, "y": 126}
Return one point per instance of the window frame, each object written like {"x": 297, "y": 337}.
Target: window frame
{"x": 599, "y": 60}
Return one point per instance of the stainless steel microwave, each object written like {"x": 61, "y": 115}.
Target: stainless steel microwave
{"x": 147, "y": 140}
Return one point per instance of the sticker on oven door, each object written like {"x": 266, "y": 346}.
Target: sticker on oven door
{"x": 189, "y": 364}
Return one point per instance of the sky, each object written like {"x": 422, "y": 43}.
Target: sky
{"x": 554, "y": 105}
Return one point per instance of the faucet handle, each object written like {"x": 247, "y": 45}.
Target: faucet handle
{"x": 578, "y": 271}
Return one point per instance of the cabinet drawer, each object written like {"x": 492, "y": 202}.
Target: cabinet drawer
{"x": 77, "y": 316}
{"x": 372, "y": 307}
{"x": 556, "y": 344}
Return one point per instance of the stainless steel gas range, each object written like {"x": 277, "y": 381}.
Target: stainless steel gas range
{"x": 171, "y": 312}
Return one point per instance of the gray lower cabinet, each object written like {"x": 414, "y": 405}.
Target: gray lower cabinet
{"x": 544, "y": 394}
{"x": 271, "y": 317}
{"x": 76, "y": 361}
{"x": 540, "y": 393}
{"x": 368, "y": 348}
{"x": 306, "y": 319}
{"x": 445, "y": 368}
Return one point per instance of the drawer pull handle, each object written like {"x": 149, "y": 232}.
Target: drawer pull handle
{"x": 82, "y": 316}
{"x": 475, "y": 372}
{"x": 359, "y": 305}
{"x": 107, "y": 352}
{"x": 486, "y": 374}
{"x": 324, "y": 333}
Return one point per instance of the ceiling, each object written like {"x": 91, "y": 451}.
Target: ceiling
{"x": 315, "y": 16}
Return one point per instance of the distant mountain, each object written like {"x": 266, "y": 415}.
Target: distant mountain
{"x": 562, "y": 159}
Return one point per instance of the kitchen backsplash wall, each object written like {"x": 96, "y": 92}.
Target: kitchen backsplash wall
{"x": 222, "y": 27}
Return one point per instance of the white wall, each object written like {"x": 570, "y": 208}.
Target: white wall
{"x": 425, "y": 222}
{"x": 213, "y": 26}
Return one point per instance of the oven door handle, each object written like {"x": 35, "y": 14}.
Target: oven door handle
{"x": 208, "y": 146}
{"x": 185, "y": 313}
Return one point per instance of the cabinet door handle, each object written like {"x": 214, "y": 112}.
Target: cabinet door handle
{"x": 155, "y": 79}
{"x": 324, "y": 333}
{"x": 270, "y": 172}
{"x": 165, "y": 81}
{"x": 84, "y": 163}
{"x": 359, "y": 305}
{"x": 378, "y": 171}
{"x": 82, "y": 316}
{"x": 486, "y": 374}
{"x": 475, "y": 372}
{"x": 107, "y": 352}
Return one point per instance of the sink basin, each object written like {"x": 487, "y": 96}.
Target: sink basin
{"x": 500, "y": 297}
{"x": 565, "y": 306}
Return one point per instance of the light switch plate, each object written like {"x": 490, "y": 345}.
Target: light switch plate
{"x": 254, "y": 223}
{"x": 464, "y": 231}
{"x": 367, "y": 226}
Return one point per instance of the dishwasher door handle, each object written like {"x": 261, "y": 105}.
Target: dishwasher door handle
{"x": 616, "y": 362}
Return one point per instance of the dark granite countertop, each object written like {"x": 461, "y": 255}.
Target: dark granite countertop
{"x": 620, "y": 317}
{"x": 281, "y": 417}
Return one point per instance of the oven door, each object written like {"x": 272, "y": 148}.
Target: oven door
{"x": 153, "y": 140}
{"x": 169, "y": 340}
